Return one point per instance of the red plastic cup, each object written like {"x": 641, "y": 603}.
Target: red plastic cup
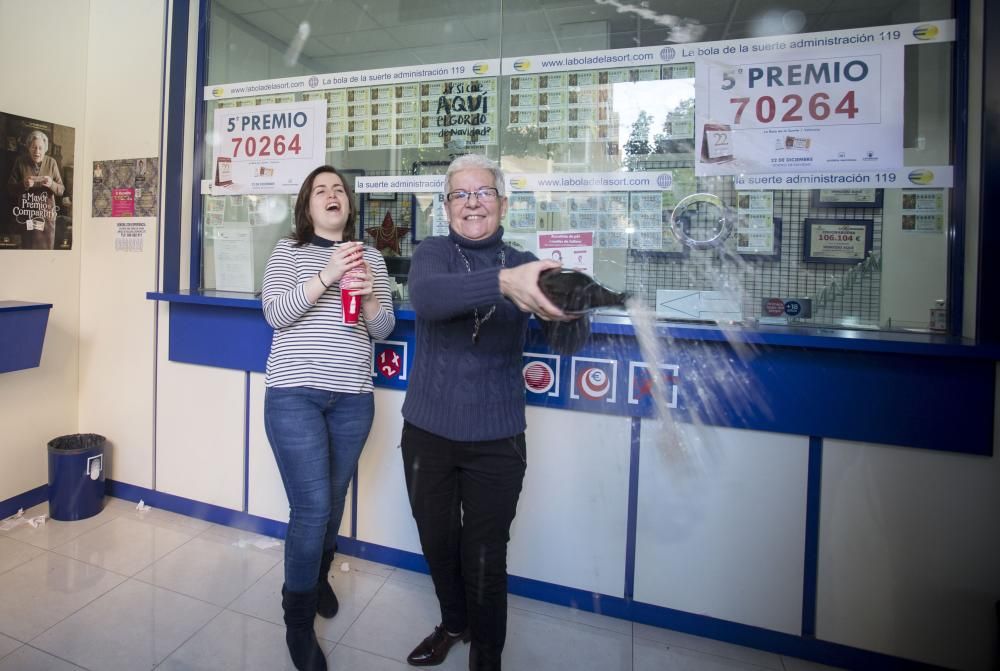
{"x": 351, "y": 304}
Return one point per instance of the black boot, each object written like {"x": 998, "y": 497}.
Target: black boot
{"x": 326, "y": 604}
{"x": 300, "y": 612}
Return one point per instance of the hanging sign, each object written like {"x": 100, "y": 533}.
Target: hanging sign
{"x": 267, "y": 149}
{"x": 828, "y": 110}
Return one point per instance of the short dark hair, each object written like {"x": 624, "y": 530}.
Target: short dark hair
{"x": 303, "y": 222}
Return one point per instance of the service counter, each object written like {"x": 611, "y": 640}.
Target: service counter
{"x": 785, "y": 499}
{"x": 22, "y": 332}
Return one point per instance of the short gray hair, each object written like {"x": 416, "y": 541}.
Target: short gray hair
{"x": 476, "y": 162}
{"x": 38, "y": 135}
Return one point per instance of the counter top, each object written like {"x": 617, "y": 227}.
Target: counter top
{"x": 618, "y": 323}
{"x": 16, "y": 306}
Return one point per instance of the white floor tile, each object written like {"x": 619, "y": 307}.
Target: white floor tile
{"x": 796, "y": 664}
{"x": 125, "y": 545}
{"x": 412, "y": 577}
{"x": 46, "y": 589}
{"x": 235, "y": 642}
{"x": 244, "y": 540}
{"x": 570, "y": 614}
{"x": 138, "y": 626}
{"x": 53, "y": 532}
{"x": 27, "y": 658}
{"x": 398, "y": 617}
{"x": 358, "y": 564}
{"x": 351, "y": 659}
{"x": 7, "y": 645}
{"x": 542, "y": 642}
{"x": 651, "y": 656}
{"x": 209, "y": 570}
{"x": 739, "y": 653}
{"x": 354, "y": 590}
{"x": 14, "y": 553}
{"x": 168, "y": 520}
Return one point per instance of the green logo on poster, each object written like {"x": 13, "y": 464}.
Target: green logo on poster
{"x": 522, "y": 64}
{"x": 921, "y": 176}
{"x": 925, "y": 32}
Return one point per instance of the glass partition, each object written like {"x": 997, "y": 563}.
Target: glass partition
{"x": 729, "y": 161}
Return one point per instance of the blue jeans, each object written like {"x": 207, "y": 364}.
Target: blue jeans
{"x": 316, "y": 437}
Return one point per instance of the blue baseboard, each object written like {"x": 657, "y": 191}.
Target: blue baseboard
{"x": 26, "y": 500}
{"x": 803, "y": 647}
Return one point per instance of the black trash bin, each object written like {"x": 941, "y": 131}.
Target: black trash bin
{"x": 76, "y": 476}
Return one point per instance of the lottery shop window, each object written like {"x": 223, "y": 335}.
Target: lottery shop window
{"x": 749, "y": 152}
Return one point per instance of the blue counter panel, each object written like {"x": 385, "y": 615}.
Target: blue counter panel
{"x": 909, "y": 398}
{"x": 22, "y": 332}
{"x": 221, "y": 336}
{"x": 930, "y": 402}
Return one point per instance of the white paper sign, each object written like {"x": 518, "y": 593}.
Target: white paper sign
{"x": 267, "y": 148}
{"x": 825, "y": 110}
{"x": 129, "y": 236}
{"x": 574, "y": 249}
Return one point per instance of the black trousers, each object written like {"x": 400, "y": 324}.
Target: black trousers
{"x": 464, "y": 497}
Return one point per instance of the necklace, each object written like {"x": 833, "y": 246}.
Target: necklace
{"x": 476, "y": 321}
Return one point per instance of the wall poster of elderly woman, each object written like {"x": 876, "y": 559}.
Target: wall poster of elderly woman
{"x": 36, "y": 168}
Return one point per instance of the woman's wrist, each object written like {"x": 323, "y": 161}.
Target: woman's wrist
{"x": 322, "y": 280}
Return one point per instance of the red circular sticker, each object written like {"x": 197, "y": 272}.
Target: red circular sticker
{"x": 774, "y": 307}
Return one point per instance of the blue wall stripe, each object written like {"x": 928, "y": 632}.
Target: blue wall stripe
{"x": 199, "y": 146}
{"x": 810, "y": 569}
{"x": 246, "y": 444}
{"x": 633, "y": 507}
{"x": 959, "y": 160}
{"x": 26, "y": 500}
{"x": 354, "y": 504}
{"x": 172, "y": 171}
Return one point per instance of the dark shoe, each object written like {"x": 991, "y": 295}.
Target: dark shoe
{"x": 326, "y": 604}
{"x": 300, "y": 613}
{"x": 433, "y": 649}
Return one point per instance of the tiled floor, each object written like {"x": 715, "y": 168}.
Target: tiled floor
{"x": 129, "y": 590}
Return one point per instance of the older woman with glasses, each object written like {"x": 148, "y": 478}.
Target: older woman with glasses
{"x": 463, "y": 443}
{"x": 34, "y": 185}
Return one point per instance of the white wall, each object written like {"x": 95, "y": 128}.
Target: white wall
{"x": 41, "y": 403}
{"x": 116, "y": 320}
{"x": 909, "y": 553}
{"x": 721, "y": 523}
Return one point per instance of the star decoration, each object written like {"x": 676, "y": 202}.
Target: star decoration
{"x": 387, "y": 235}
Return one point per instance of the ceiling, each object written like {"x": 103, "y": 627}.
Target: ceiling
{"x": 353, "y": 34}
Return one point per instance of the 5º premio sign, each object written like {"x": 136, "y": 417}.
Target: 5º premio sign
{"x": 267, "y": 149}
{"x": 833, "y": 109}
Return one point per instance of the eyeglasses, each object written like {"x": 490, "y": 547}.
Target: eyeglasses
{"x": 483, "y": 193}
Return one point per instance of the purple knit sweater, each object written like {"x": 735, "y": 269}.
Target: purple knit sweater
{"x": 458, "y": 389}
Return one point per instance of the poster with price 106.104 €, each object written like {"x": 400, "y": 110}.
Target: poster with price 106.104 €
{"x": 267, "y": 148}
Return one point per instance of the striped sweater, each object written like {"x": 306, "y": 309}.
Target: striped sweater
{"x": 311, "y": 347}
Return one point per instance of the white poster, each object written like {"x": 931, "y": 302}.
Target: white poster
{"x": 267, "y": 149}
{"x": 574, "y": 249}
{"x": 824, "y": 110}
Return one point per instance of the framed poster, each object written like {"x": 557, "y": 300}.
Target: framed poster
{"x": 847, "y": 241}
{"x": 37, "y": 160}
{"x": 846, "y": 198}
{"x": 761, "y": 242}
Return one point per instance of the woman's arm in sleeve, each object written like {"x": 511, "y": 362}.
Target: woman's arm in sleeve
{"x": 382, "y": 322}
{"x": 284, "y": 297}
{"x": 437, "y": 293}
